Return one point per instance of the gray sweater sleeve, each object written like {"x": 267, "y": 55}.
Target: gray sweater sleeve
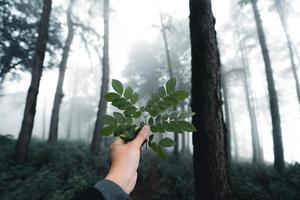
{"x": 111, "y": 191}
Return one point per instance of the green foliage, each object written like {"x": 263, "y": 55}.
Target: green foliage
{"x": 156, "y": 113}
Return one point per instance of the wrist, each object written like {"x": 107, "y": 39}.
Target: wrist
{"x": 117, "y": 179}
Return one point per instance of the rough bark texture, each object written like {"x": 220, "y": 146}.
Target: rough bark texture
{"x": 274, "y": 108}
{"x": 62, "y": 69}
{"x": 210, "y": 157}
{"x": 281, "y": 13}
{"x": 95, "y": 145}
{"x": 37, "y": 68}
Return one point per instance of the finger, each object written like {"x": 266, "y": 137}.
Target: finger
{"x": 119, "y": 141}
{"x": 142, "y": 136}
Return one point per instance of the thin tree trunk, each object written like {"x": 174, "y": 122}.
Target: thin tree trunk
{"x": 95, "y": 144}
{"x": 226, "y": 109}
{"x": 31, "y": 100}
{"x": 280, "y": 11}
{"x": 257, "y": 154}
{"x": 211, "y": 166}
{"x": 62, "y": 69}
{"x": 273, "y": 98}
{"x": 171, "y": 74}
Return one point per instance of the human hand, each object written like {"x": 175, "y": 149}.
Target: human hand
{"x": 125, "y": 158}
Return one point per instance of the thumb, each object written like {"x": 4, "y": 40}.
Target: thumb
{"x": 142, "y": 136}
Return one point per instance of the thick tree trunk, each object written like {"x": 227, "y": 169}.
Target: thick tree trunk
{"x": 280, "y": 11}
{"x": 95, "y": 145}
{"x": 62, "y": 69}
{"x": 37, "y": 68}
{"x": 273, "y": 98}
{"x": 211, "y": 167}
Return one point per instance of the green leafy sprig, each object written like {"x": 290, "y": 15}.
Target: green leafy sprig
{"x": 156, "y": 113}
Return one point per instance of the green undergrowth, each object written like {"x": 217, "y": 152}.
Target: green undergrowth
{"x": 56, "y": 172}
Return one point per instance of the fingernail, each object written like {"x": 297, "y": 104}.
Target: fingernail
{"x": 146, "y": 128}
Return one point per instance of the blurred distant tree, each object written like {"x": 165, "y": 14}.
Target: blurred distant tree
{"x": 62, "y": 68}
{"x": 37, "y": 69}
{"x": 211, "y": 166}
{"x": 273, "y": 97}
{"x": 279, "y": 4}
{"x": 18, "y": 22}
{"x": 95, "y": 144}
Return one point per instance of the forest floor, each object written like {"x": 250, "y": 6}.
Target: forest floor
{"x": 55, "y": 172}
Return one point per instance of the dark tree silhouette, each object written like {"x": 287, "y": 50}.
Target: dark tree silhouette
{"x": 211, "y": 168}
{"x": 273, "y": 98}
{"x": 95, "y": 144}
{"x": 62, "y": 69}
{"x": 37, "y": 69}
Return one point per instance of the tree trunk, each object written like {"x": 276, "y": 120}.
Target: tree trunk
{"x": 37, "y": 69}
{"x": 274, "y": 108}
{"x": 171, "y": 74}
{"x": 280, "y": 11}
{"x": 211, "y": 166}
{"x": 257, "y": 154}
{"x": 227, "y": 114}
{"x": 95, "y": 145}
{"x": 62, "y": 69}
{"x": 44, "y": 118}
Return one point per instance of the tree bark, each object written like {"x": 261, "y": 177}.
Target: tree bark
{"x": 31, "y": 100}
{"x": 211, "y": 167}
{"x": 273, "y": 98}
{"x": 95, "y": 144}
{"x": 281, "y": 13}
{"x": 62, "y": 69}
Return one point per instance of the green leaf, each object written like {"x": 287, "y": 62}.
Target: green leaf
{"x": 153, "y": 129}
{"x": 165, "y": 117}
{"x": 134, "y": 98}
{"x": 179, "y": 95}
{"x": 142, "y": 109}
{"x": 151, "y": 138}
{"x": 128, "y": 120}
{"x": 171, "y": 101}
{"x": 161, "y": 152}
{"x": 109, "y": 120}
{"x": 153, "y": 146}
{"x": 158, "y": 119}
{"x": 162, "y": 92}
{"x": 186, "y": 126}
{"x": 137, "y": 114}
{"x": 155, "y": 97}
{"x": 119, "y": 102}
{"x": 130, "y": 110}
{"x": 160, "y": 128}
{"x": 150, "y": 121}
{"x": 124, "y": 106}
{"x": 142, "y": 124}
{"x": 119, "y": 117}
{"x": 111, "y": 96}
{"x": 166, "y": 142}
{"x": 186, "y": 114}
{"x": 163, "y": 104}
{"x": 174, "y": 115}
{"x": 153, "y": 113}
{"x": 150, "y": 102}
{"x": 167, "y": 127}
{"x": 128, "y": 93}
{"x": 171, "y": 84}
{"x": 176, "y": 128}
{"x": 117, "y": 86}
{"x": 108, "y": 130}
